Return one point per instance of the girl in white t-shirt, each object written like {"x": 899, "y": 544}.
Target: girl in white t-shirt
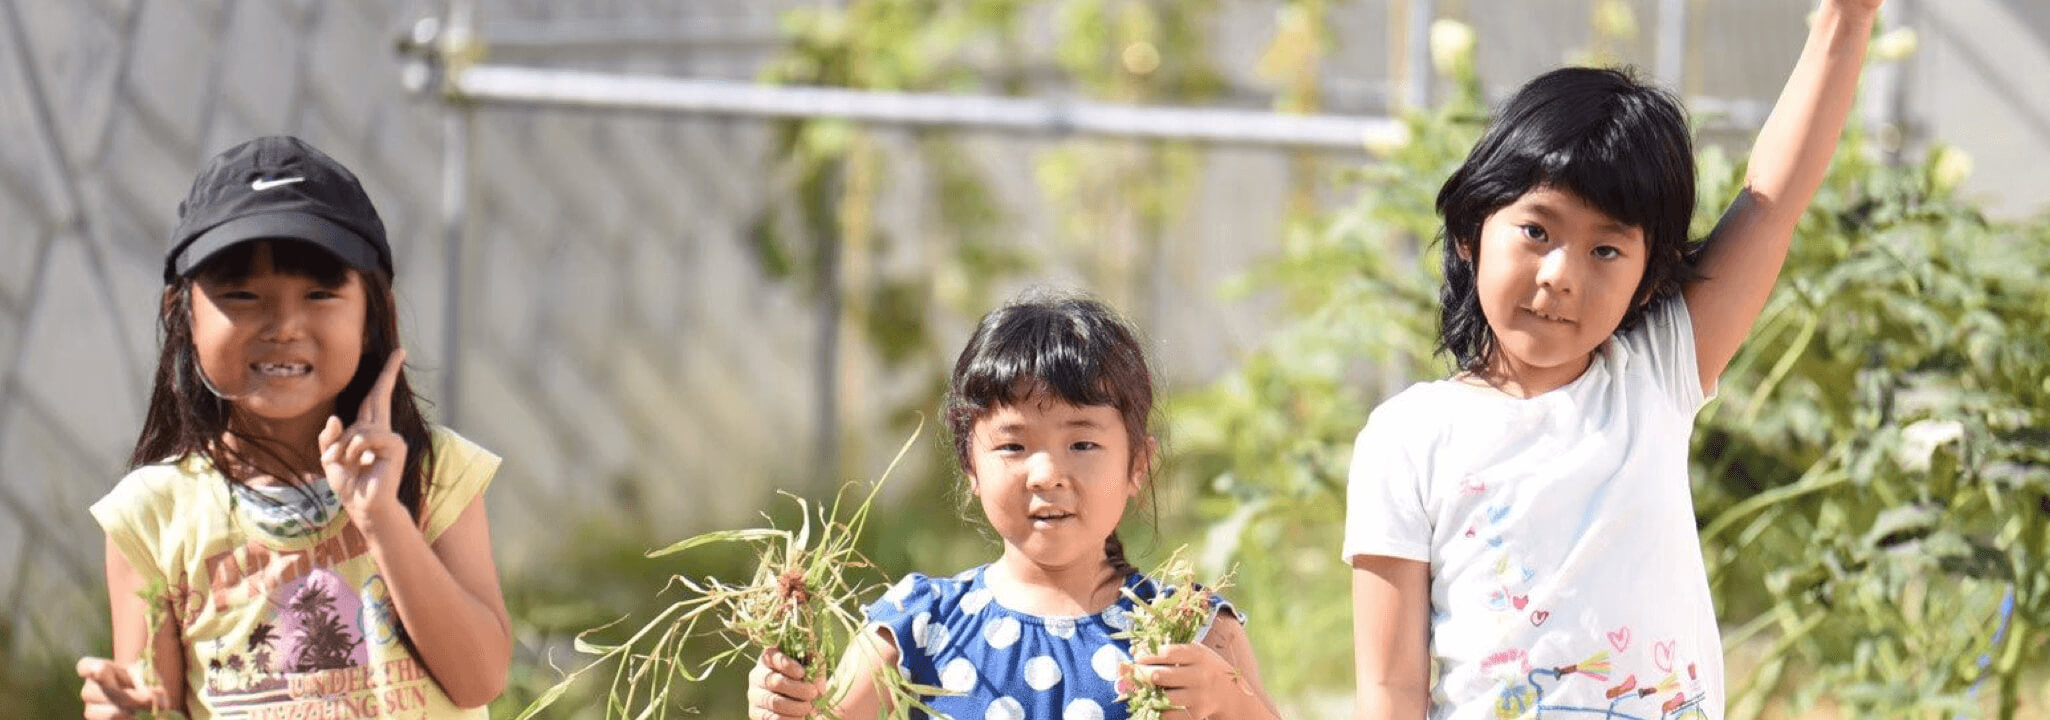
{"x": 1522, "y": 536}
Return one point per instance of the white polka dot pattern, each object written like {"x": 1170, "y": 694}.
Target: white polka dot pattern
{"x": 936, "y": 638}
{"x": 899, "y": 592}
{"x": 975, "y": 601}
{"x": 1003, "y": 633}
{"x": 959, "y": 676}
{"x": 1083, "y": 709}
{"x": 1106, "y": 661}
{"x": 1117, "y": 618}
{"x": 1042, "y": 672}
{"x": 1063, "y": 628}
{"x": 921, "y": 629}
{"x": 1005, "y": 709}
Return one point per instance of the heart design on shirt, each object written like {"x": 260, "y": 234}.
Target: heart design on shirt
{"x": 1539, "y": 617}
{"x": 1662, "y": 655}
{"x": 1522, "y": 600}
{"x": 1620, "y": 640}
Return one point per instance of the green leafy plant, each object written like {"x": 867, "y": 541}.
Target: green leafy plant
{"x": 1178, "y": 610}
{"x": 804, "y": 600}
{"x": 158, "y": 596}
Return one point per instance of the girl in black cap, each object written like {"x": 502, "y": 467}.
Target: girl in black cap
{"x": 294, "y": 539}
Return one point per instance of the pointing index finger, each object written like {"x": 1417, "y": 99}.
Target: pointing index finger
{"x": 376, "y": 410}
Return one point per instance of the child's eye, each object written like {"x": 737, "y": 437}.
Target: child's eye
{"x": 237, "y": 295}
{"x": 1608, "y": 252}
{"x": 323, "y": 294}
{"x": 1081, "y": 445}
{"x": 1533, "y": 232}
{"x": 1008, "y": 447}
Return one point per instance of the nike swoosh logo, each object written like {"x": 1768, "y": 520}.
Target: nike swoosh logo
{"x": 262, "y": 185}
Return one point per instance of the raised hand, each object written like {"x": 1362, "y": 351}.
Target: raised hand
{"x": 363, "y": 461}
{"x": 116, "y": 692}
{"x": 777, "y": 690}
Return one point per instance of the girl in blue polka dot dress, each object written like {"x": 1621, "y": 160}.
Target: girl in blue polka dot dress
{"x": 1047, "y": 409}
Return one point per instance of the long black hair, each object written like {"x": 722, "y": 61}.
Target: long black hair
{"x": 1061, "y": 346}
{"x": 1618, "y": 144}
{"x": 186, "y": 418}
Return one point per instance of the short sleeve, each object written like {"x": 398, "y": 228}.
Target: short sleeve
{"x": 1664, "y": 342}
{"x": 908, "y": 611}
{"x": 1384, "y": 491}
{"x": 462, "y": 470}
{"x": 1219, "y": 604}
{"x": 136, "y": 517}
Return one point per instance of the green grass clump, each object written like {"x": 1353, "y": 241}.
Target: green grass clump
{"x": 804, "y": 600}
{"x": 1170, "y": 618}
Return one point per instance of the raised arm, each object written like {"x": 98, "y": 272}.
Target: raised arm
{"x": 1745, "y": 251}
{"x": 446, "y": 593}
{"x": 1390, "y": 623}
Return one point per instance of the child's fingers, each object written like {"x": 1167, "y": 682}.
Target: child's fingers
{"x": 352, "y": 453}
{"x": 111, "y": 691}
{"x": 101, "y": 669}
{"x": 771, "y": 705}
{"x": 1186, "y": 654}
{"x": 775, "y": 660}
{"x": 794, "y": 689}
{"x": 330, "y": 436}
{"x": 767, "y": 675}
{"x": 376, "y": 409}
{"x": 1169, "y": 676}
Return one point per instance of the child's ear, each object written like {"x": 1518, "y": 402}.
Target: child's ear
{"x": 1142, "y": 466}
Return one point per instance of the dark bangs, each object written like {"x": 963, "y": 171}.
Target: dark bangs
{"x": 287, "y": 256}
{"x": 1619, "y": 145}
{"x": 1072, "y": 349}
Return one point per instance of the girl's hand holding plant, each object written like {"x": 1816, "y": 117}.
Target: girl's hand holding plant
{"x": 1196, "y": 679}
{"x": 117, "y": 692}
{"x": 777, "y": 689}
{"x": 363, "y": 462}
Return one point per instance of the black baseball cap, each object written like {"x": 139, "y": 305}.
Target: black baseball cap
{"x": 276, "y": 187}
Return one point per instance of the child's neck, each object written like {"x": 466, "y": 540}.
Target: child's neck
{"x": 1083, "y": 588}
{"x": 258, "y": 444}
{"x": 1516, "y": 379}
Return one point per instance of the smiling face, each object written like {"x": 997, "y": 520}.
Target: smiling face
{"x": 279, "y": 346}
{"x": 1053, "y": 478}
{"x": 1555, "y": 278}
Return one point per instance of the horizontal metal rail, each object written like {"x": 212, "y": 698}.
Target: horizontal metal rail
{"x": 494, "y": 84}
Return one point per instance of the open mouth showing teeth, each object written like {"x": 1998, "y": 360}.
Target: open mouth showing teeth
{"x": 1546, "y": 317}
{"x": 1051, "y": 516}
{"x": 282, "y": 369}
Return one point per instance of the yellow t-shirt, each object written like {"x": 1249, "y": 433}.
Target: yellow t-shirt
{"x": 284, "y": 627}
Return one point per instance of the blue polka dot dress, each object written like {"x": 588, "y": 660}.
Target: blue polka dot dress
{"x": 1008, "y": 665}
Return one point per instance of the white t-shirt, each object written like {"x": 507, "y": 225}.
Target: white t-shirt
{"x": 1566, "y": 572}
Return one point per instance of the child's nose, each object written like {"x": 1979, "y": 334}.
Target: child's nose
{"x": 282, "y": 322}
{"x": 1556, "y": 271}
{"x": 1043, "y": 472}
